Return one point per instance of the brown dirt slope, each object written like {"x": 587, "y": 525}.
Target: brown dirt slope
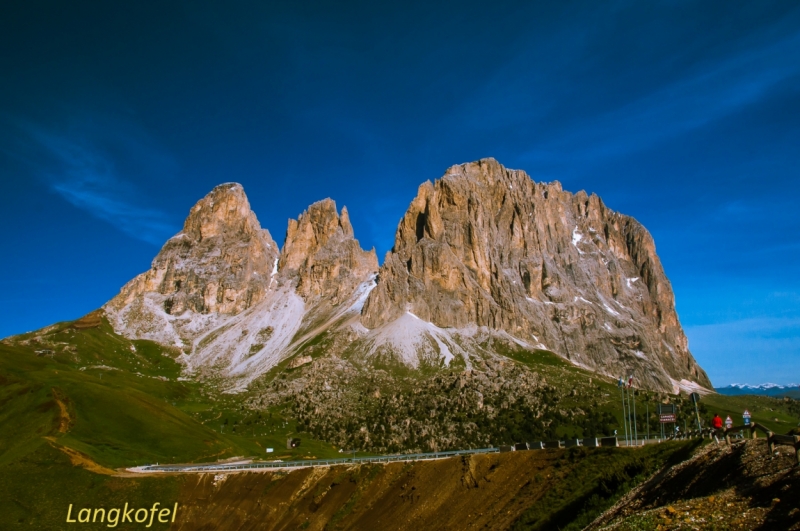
{"x": 519, "y": 490}
{"x": 64, "y": 418}
{"x": 721, "y": 488}
{"x": 80, "y": 459}
{"x": 91, "y": 320}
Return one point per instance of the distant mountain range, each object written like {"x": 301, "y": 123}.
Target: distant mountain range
{"x": 767, "y": 389}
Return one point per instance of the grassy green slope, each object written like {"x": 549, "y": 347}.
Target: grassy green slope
{"x": 78, "y": 387}
{"x": 777, "y": 414}
{"x": 600, "y": 397}
{"x": 37, "y": 489}
{"x": 121, "y": 403}
{"x": 124, "y": 403}
{"x": 115, "y": 416}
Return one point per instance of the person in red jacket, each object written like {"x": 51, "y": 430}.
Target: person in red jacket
{"x": 716, "y": 422}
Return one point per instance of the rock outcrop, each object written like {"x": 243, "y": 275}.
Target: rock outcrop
{"x": 223, "y": 293}
{"x": 486, "y": 246}
{"x": 320, "y": 252}
{"x": 484, "y": 256}
{"x": 221, "y": 261}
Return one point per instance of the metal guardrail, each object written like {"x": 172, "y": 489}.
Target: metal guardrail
{"x": 316, "y": 462}
{"x": 754, "y": 427}
{"x": 592, "y": 442}
{"x": 772, "y": 438}
{"x": 692, "y": 434}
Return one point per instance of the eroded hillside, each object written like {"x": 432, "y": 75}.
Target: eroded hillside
{"x": 545, "y": 489}
{"x": 741, "y": 486}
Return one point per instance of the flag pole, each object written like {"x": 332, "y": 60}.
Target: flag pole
{"x": 624, "y": 413}
{"x": 635, "y": 422}
{"x": 630, "y": 426}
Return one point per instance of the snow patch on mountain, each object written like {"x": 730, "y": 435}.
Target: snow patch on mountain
{"x": 688, "y": 386}
{"x": 254, "y": 342}
{"x": 763, "y": 387}
{"x": 414, "y": 340}
{"x": 576, "y": 238}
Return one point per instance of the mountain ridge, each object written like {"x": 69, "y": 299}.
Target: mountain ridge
{"x": 484, "y": 252}
{"x": 767, "y": 389}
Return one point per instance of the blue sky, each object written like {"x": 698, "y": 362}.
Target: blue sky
{"x": 116, "y": 117}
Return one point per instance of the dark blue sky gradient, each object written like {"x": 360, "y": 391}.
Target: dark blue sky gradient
{"x": 115, "y": 118}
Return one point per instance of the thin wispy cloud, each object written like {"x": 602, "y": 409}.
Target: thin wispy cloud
{"x": 688, "y": 103}
{"x": 565, "y": 97}
{"x": 87, "y": 177}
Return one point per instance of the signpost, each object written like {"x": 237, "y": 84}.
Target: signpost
{"x": 746, "y": 417}
{"x": 728, "y": 422}
{"x": 666, "y": 415}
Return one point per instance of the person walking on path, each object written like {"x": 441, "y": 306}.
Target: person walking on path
{"x": 716, "y": 422}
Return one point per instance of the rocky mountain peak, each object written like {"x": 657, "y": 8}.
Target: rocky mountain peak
{"x": 224, "y": 210}
{"x": 484, "y": 256}
{"x": 312, "y": 231}
{"x": 321, "y": 253}
{"x": 486, "y": 246}
{"x": 222, "y": 261}
{"x": 223, "y": 293}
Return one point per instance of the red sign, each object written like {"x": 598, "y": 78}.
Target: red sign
{"x": 667, "y": 418}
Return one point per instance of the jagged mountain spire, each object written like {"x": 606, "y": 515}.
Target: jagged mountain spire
{"x": 322, "y": 254}
{"x": 220, "y": 262}
{"x": 223, "y": 293}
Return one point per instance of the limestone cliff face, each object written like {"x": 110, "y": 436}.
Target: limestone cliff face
{"x": 320, "y": 252}
{"x": 235, "y": 306}
{"x": 222, "y": 261}
{"x": 482, "y": 254}
{"x": 487, "y": 246}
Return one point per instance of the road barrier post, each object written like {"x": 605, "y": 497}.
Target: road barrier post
{"x": 797, "y": 448}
